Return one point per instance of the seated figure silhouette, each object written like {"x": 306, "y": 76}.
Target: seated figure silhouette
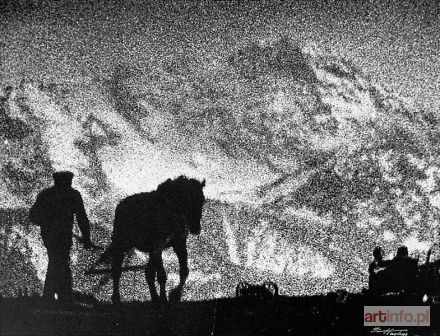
{"x": 403, "y": 271}
{"x": 377, "y": 272}
{"x": 54, "y": 212}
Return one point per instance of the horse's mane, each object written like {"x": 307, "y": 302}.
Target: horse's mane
{"x": 180, "y": 185}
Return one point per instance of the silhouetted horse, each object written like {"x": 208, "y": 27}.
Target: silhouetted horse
{"x": 152, "y": 222}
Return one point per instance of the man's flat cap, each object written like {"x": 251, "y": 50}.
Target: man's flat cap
{"x": 63, "y": 176}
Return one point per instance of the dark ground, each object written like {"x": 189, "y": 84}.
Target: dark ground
{"x": 334, "y": 314}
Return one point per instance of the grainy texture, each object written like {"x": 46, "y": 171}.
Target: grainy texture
{"x": 315, "y": 125}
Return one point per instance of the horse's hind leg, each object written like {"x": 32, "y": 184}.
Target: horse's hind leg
{"x": 182, "y": 255}
{"x": 150, "y": 275}
{"x": 156, "y": 258}
{"x": 117, "y": 260}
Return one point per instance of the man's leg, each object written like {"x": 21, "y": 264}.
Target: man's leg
{"x": 64, "y": 275}
{"x": 50, "y": 282}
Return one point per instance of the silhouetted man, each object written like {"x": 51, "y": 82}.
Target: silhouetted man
{"x": 376, "y": 271}
{"x": 54, "y": 211}
{"x": 404, "y": 270}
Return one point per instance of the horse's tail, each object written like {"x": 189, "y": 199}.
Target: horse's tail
{"x": 107, "y": 255}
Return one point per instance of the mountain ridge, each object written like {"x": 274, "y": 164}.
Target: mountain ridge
{"x": 313, "y": 153}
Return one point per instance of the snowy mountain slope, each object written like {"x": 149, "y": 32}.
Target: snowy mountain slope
{"x": 308, "y": 163}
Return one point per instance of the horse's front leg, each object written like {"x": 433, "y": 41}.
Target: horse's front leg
{"x": 117, "y": 260}
{"x": 156, "y": 258}
{"x": 182, "y": 255}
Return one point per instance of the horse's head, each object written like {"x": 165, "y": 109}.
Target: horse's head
{"x": 186, "y": 197}
{"x": 195, "y": 203}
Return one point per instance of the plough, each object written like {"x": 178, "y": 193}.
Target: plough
{"x": 93, "y": 271}
{"x": 266, "y": 290}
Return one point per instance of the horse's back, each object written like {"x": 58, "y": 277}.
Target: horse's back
{"x": 132, "y": 214}
{"x": 137, "y": 203}
{"x": 141, "y": 222}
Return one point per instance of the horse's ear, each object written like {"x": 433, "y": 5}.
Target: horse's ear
{"x": 203, "y": 183}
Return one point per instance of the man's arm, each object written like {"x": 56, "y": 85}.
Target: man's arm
{"x": 36, "y": 211}
{"x": 81, "y": 218}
